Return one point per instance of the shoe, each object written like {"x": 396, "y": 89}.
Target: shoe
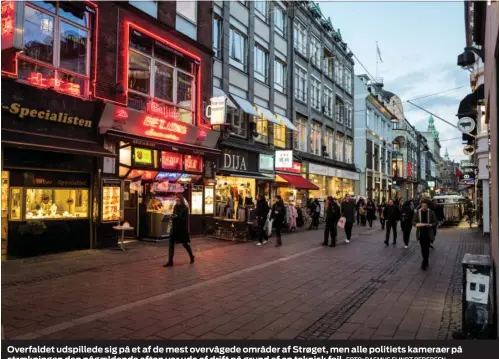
{"x": 405, "y": 247}
{"x": 265, "y": 242}
{"x": 169, "y": 264}
{"x": 386, "y": 243}
{"x": 259, "y": 244}
{"x": 347, "y": 241}
{"x": 192, "y": 259}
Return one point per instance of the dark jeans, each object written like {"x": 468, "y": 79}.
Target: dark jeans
{"x": 407, "y": 235}
{"x": 425, "y": 243}
{"x": 348, "y": 229}
{"x": 330, "y": 231}
{"x": 382, "y": 222}
{"x": 171, "y": 250}
{"x": 363, "y": 220}
{"x": 370, "y": 221}
{"x": 263, "y": 234}
{"x": 315, "y": 220}
{"x": 389, "y": 227}
{"x": 278, "y": 227}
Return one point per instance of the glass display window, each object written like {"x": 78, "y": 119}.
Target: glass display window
{"x": 56, "y": 203}
{"x": 319, "y": 181}
{"x": 5, "y": 194}
{"x": 236, "y": 190}
{"x": 111, "y": 201}
{"x": 209, "y": 197}
{"x": 15, "y": 207}
{"x": 197, "y": 200}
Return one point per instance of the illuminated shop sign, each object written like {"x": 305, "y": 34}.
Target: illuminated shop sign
{"x": 142, "y": 156}
{"x": 296, "y": 168}
{"x": 159, "y": 109}
{"x": 145, "y": 175}
{"x": 8, "y": 23}
{"x": 166, "y": 129}
{"x": 39, "y": 80}
{"x": 193, "y": 163}
{"x": 171, "y": 161}
{"x": 61, "y": 117}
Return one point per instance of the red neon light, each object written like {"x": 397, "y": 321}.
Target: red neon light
{"x": 120, "y": 114}
{"x": 165, "y": 129}
{"x": 193, "y": 163}
{"x": 171, "y": 161}
{"x": 202, "y": 135}
{"x": 162, "y": 110}
{"x": 146, "y": 175}
{"x": 8, "y": 21}
{"x": 37, "y": 79}
{"x": 295, "y": 169}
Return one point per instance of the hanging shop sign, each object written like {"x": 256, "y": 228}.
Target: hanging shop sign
{"x": 26, "y": 108}
{"x": 469, "y": 150}
{"x": 159, "y": 122}
{"x": 193, "y": 163}
{"x": 296, "y": 168}
{"x": 283, "y": 159}
{"x": 466, "y": 124}
{"x": 215, "y": 111}
{"x": 468, "y": 165}
{"x": 171, "y": 161}
{"x": 266, "y": 163}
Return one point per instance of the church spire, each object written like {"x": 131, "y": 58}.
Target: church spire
{"x": 447, "y": 158}
{"x": 431, "y": 127}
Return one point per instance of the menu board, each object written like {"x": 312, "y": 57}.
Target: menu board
{"x": 197, "y": 200}
{"x": 142, "y": 156}
{"x": 208, "y": 200}
{"x": 111, "y": 201}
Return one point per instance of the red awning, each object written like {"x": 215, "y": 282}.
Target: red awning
{"x": 298, "y": 182}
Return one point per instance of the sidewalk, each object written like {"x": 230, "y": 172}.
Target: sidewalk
{"x": 300, "y": 290}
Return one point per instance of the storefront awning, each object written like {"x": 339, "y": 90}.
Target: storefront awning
{"x": 286, "y": 122}
{"x": 246, "y": 106}
{"x": 298, "y": 182}
{"x": 467, "y": 106}
{"x": 269, "y": 116}
{"x": 253, "y": 175}
{"x": 220, "y": 93}
{"x": 53, "y": 144}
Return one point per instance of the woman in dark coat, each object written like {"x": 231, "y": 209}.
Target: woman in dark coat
{"x": 180, "y": 231}
{"x": 371, "y": 212}
{"x": 278, "y": 215}
{"x": 262, "y": 210}
{"x": 406, "y": 222}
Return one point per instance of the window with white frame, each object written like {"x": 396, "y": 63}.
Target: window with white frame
{"x": 261, "y": 9}
{"x": 158, "y": 74}
{"x": 238, "y": 49}
{"x": 315, "y": 51}
{"x": 348, "y": 115}
{"x": 315, "y": 138}
{"x": 328, "y": 142}
{"x": 338, "y": 146}
{"x": 348, "y": 80}
{"x": 339, "y": 110}
{"x": 149, "y": 7}
{"x": 300, "y": 37}
{"x": 217, "y": 36}
{"x": 349, "y": 150}
{"x": 328, "y": 63}
{"x": 300, "y": 83}
{"x": 56, "y": 46}
{"x": 315, "y": 95}
{"x": 280, "y": 75}
{"x": 261, "y": 63}
{"x": 238, "y": 121}
{"x": 280, "y": 20}
{"x": 301, "y": 134}
{"x": 328, "y": 101}
{"x": 188, "y": 10}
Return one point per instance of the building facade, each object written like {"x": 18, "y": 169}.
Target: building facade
{"x": 434, "y": 147}
{"x": 448, "y": 178}
{"x": 373, "y": 139}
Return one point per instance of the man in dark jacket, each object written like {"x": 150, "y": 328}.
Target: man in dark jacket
{"x": 262, "y": 210}
{"x": 332, "y": 217}
{"x": 391, "y": 214}
{"x": 348, "y": 211}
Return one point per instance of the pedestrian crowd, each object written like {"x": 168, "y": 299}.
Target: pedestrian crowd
{"x": 423, "y": 214}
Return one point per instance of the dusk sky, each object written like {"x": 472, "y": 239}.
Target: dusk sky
{"x": 419, "y": 44}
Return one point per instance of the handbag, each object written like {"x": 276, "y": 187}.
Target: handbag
{"x": 341, "y": 222}
{"x": 362, "y": 211}
{"x": 269, "y": 227}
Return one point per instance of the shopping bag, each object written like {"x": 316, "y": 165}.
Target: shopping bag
{"x": 341, "y": 222}
{"x": 269, "y": 227}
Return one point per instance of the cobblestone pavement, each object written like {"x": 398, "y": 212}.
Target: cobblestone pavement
{"x": 360, "y": 290}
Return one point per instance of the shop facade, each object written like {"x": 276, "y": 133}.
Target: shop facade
{"x": 334, "y": 182}
{"x": 50, "y": 154}
{"x": 293, "y": 186}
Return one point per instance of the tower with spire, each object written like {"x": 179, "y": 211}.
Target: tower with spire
{"x": 446, "y": 156}
{"x": 431, "y": 127}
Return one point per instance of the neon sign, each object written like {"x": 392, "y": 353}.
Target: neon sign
{"x": 120, "y": 114}
{"x": 171, "y": 161}
{"x": 295, "y": 169}
{"x": 37, "y": 79}
{"x": 8, "y": 15}
{"x": 146, "y": 175}
{"x": 159, "y": 109}
{"x": 193, "y": 164}
{"x": 160, "y": 128}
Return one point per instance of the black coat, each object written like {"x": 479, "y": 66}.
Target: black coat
{"x": 262, "y": 209}
{"x": 406, "y": 218}
{"x": 348, "y": 211}
{"x": 371, "y": 210}
{"x": 180, "y": 219}
{"x": 333, "y": 215}
{"x": 391, "y": 213}
{"x": 278, "y": 212}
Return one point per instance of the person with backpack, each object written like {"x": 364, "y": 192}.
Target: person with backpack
{"x": 406, "y": 222}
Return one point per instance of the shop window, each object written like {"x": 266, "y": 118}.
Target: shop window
{"x": 261, "y": 64}
{"x": 238, "y": 122}
{"x": 56, "y": 46}
{"x": 157, "y": 74}
{"x": 15, "y": 208}
{"x": 279, "y": 136}
{"x": 197, "y": 200}
{"x": 56, "y": 203}
{"x": 328, "y": 142}
{"x": 238, "y": 49}
{"x": 280, "y": 75}
{"x": 315, "y": 139}
{"x": 301, "y": 134}
{"x": 280, "y": 20}
{"x": 262, "y": 130}
{"x": 338, "y": 147}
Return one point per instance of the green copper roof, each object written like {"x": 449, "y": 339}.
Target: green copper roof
{"x": 431, "y": 127}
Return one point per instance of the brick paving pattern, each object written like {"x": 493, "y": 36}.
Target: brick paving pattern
{"x": 362, "y": 290}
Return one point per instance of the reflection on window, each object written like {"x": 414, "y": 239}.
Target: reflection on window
{"x": 217, "y": 36}
{"x": 238, "y": 122}
{"x": 56, "y": 203}
{"x": 338, "y": 147}
{"x": 149, "y": 7}
{"x": 279, "y": 20}
{"x": 73, "y": 46}
{"x": 280, "y": 76}
{"x": 238, "y": 49}
{"x": 184, "y": 89}
{"x": 262, "y": 129}
{"x": 301, "y": 134}
{"x": 139, "y": 73}
{"x": 279, "y": 135}
{"x": 163, "y": 81}
{"x": 38, "y": 35}
{"x": 328, "y": 142}
{"x": 315, "y": 138}
{"x": 188, "y": 9}
{"x": 261, "y": 61}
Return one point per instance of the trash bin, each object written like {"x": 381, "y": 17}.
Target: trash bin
{"x": 477, "y": 306}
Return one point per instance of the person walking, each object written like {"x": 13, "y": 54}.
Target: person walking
{"x": 316, "y": 214}
{"x": 332, "y": 218}
{"x": 262, "y": 210}
{"x": 370, "y": 211}
{"x": 406, "y": 222}
{"x": 311, "y": 208}
{"x": 381, "y": 209}
{"x": 391, "y": 215}
{"x": 348, "y": 211}
{"x": 425, "y": 220}
{"x": 278, "y": 214}
{"x": 180, "y": 230}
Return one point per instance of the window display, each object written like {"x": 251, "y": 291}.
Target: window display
{"x": 319, "y": 181}
{"x": 208, "y": 200}
{"x": 56, "y": 203}
{"x": 232, "y": 193}
{"x": 111, "y": 201}
{"x": 197, "y": 200}
{"x": 15, "y": 203}
{"x": 5, "y": 194}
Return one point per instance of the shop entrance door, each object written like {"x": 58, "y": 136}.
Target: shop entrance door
{"x": 131, "y": 213}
